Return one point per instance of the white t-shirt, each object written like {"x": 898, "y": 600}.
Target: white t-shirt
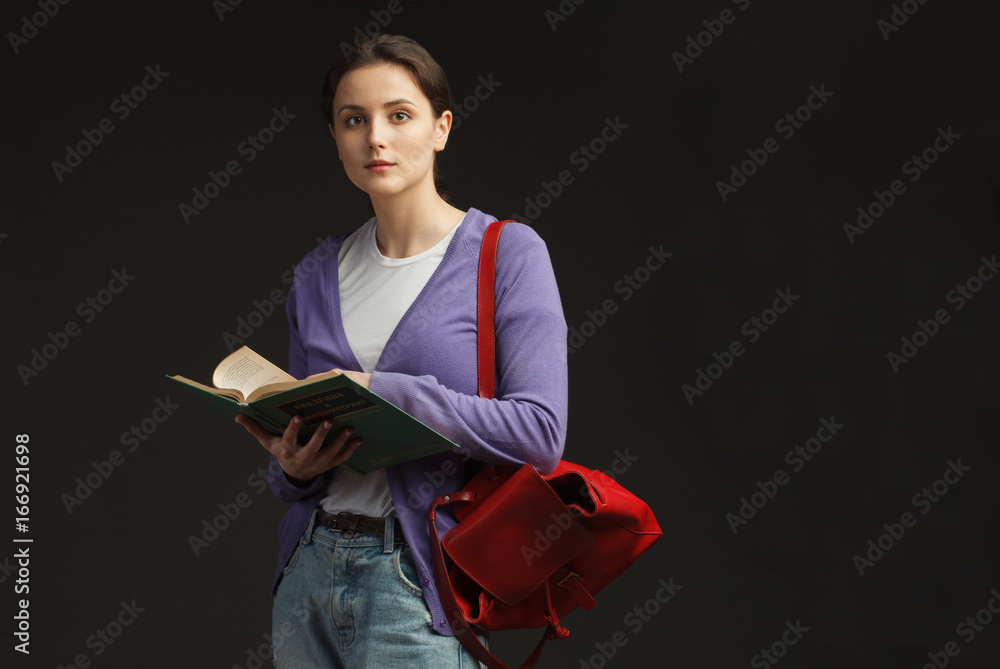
{"x": 375, "y": 293}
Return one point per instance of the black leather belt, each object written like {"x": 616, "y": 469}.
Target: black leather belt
{"x": 352, "y": 523}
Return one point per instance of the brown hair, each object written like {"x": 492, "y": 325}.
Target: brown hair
{"x": 396, "y": 50}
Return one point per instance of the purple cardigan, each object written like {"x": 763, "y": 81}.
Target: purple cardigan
{"x": 428, "y": 369}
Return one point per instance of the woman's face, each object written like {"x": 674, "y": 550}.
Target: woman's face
{"x": 386, "y": 130}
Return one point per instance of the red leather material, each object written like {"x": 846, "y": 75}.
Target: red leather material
{"x": 621, "y": 527}
{"x": 529, "y": 548}
{"x": 530, "y": 534}
{"x": 485, "y": 308}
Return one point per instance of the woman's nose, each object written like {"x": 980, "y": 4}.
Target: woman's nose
{"x": 376, "y": 129}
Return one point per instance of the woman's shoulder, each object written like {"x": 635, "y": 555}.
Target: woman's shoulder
{"x": 522, "y": 260}
{"x": 516, "y": 238}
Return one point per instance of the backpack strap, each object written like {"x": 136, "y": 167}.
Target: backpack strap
{"x": 486, "y": 310}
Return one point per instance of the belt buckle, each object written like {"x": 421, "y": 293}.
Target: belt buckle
{"x": 351, "y": 520}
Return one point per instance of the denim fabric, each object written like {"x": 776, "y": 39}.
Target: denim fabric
{"x": 354, "y": 602}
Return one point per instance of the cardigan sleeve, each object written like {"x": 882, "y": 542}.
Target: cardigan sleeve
{"x": 526, "y": 422}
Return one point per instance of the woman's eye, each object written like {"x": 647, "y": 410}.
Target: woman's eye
{"x": 352, "y": 121}
{"x": 400, "y": 116}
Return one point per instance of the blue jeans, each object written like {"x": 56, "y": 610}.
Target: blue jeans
{"x": 354, "y": 602}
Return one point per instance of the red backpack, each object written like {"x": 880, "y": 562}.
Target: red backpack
{"x": 528, "y": 548}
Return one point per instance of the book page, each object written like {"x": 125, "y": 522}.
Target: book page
{"x": 245, "y": 371}
{"x": 280, "y": 387}
{"x": 234, "y": 395}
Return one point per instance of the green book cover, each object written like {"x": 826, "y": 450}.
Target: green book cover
{"x": 390, "y": 435}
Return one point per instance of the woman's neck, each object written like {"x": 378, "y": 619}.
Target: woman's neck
{"x": 409, "y": 226}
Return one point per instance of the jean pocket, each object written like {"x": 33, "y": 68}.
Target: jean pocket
{"x": 405, "y": 571}
{"x": 292, "y": 560}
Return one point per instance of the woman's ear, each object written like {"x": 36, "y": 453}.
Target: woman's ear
{"x": 443, "y": 127}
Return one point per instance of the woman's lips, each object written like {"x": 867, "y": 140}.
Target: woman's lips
{"x": 378, "y": 166}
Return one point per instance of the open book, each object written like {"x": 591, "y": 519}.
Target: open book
{"x": 247, "y": 383}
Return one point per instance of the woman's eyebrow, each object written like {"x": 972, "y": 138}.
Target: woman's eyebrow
{"x": 391, "y": 103}
{"x": 343, "y": 107}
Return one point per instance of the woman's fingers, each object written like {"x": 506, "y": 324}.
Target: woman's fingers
{"x": 308, "y": 459}
{"x": 339, "y": 449}
{"x": 290, "y": 437}
{"x": 345, "y": 453}
{"x": 313, "y": 456}
{"x": 315, "y": 443}
{"x": 274, "y": 444}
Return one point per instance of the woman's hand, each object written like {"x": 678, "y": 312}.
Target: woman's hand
{"x": 303, "y": 462}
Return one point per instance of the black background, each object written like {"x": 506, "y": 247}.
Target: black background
{"x": 655, "y": 184}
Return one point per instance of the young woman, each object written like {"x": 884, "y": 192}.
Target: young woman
{"x": 393, "y": 305}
